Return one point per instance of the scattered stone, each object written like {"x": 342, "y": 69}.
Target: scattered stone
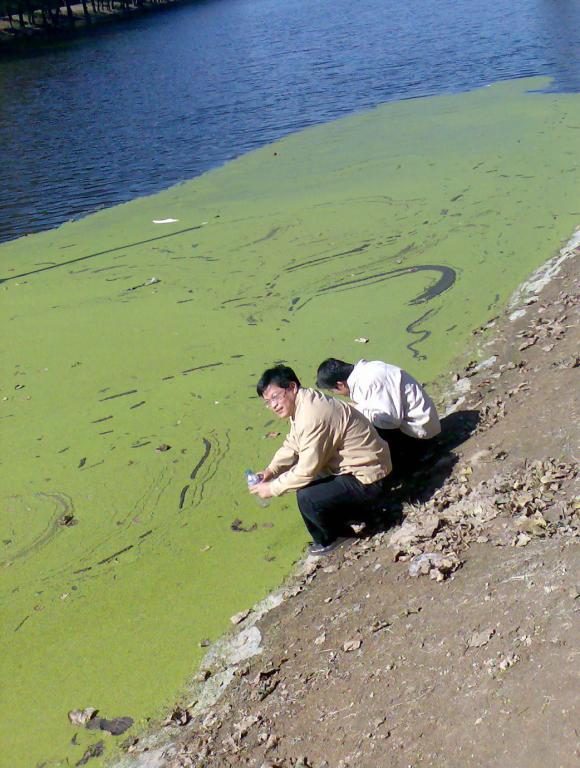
{"x": 271, "y": 741}
{"x": 130, "y": 744}
{"x": 180, "y": 716}
{"x": 293, "y": 591}
{"x": 479, "y": 639}
{"x": 311, "y": 566}
{"x": 95, "y": 750}
{"x": 351, "y": 645}
{"x": 528, "y": 343}
{"x": 535, "y": 525}
{"x": 82, "y": 716}
{"x": 237, "y": 618}
{"x": 241, "y": 729}
{"x": 405, "y": 536}
{"x": 567, "y": 362}
{"x": 162, "y": 448}
{"x": 434, "y": 564}
{"x": 508, "y": 661}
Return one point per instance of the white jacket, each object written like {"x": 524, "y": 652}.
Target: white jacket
{"x": 392, "y": 399}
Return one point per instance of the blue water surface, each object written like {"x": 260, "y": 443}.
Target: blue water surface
{"x": 154, "y": 100}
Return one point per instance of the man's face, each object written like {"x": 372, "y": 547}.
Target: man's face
{"x": 281, "y": 401}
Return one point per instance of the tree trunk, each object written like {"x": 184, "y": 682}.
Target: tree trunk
{"x": 55, "y": 15}
{"x": 69, "y": 13}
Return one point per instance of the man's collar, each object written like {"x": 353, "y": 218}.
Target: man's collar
{"x": 351, "y": 379}
{"x": 297, "y": 401}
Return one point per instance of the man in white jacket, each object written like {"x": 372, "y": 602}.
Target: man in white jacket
{"x": 397, "y": 405}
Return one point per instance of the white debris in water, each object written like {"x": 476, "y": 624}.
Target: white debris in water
{"x": 164, "y": 221}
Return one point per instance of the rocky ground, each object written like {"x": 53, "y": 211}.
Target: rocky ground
{"x": 451, "y": 639}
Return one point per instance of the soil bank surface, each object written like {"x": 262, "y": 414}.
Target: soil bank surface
{"x": 131, "y": 351}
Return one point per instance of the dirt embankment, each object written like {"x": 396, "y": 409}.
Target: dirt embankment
{"x": 471, "y": 661}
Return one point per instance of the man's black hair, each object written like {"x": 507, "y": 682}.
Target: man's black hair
{"x": 281, "y": 375}
{"x": 331, "y": 371}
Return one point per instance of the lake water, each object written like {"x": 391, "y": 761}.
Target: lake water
{"x": 160, "y": 99}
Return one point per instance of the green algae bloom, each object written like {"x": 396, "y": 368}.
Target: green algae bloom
{"x": 131, "y": 351}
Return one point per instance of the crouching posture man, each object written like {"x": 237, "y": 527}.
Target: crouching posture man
{"x": 332, "y": 457}
{"x": 402, "y": 412}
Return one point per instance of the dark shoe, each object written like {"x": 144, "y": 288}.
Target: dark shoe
{"x": 319, "y": 550}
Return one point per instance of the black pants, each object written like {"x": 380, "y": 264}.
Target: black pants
{"x": 406, "y": 452}
{"x": 328, "y": 505}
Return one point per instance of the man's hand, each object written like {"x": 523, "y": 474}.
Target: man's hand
{"x": 262, "y": 490}
{"x": 266, "y": 475}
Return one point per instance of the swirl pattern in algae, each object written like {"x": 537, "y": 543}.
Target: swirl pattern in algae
{"x": 410, "y": 224}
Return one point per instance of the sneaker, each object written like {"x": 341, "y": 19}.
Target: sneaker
{"x": 319, "y": 550}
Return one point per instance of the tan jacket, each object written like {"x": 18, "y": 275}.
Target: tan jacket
{"x": 327, "y": 437}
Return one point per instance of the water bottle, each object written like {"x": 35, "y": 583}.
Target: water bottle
{"x": 253, "y": 478}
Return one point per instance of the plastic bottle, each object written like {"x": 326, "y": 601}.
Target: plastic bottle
{"x": 253, "y": 478}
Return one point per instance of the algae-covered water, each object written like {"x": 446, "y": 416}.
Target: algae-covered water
{"x": 410, "y": 225}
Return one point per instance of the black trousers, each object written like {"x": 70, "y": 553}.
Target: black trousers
{"x": 328, "y": 505}
{"x": 406, "y": 452}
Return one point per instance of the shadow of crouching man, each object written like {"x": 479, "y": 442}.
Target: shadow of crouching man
{"x": 420, "y": 467}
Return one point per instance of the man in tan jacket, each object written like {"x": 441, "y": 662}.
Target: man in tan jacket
{"x": 332, "y": 457}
